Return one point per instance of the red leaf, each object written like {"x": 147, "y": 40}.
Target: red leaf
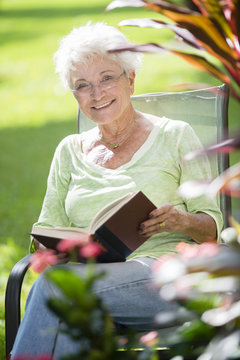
{"x": 184, "y": 34}
{"x": 225, "y": 146}
{"x": 150, "y": 47}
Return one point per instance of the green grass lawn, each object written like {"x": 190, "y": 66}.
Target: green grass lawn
{"x": 37, "y": 112}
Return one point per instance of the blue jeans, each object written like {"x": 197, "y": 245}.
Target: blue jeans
{"x": 126, "y": 290}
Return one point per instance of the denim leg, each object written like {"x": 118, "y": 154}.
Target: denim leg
{"x": 126, "y": 290}
{"x": 129, "y": 294}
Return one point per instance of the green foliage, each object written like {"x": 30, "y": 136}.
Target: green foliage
{"x": 212, "y": 299}
{"x": 212, "y": 28}
{"x": 86, "y": 320}
{"x": 197, "y": 332}
{"x": 203, "y": 302}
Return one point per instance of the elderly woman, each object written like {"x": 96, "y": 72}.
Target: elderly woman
{"x": 126, "y": 151}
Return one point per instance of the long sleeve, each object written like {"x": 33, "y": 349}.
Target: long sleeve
{"x": 53, "y": 209}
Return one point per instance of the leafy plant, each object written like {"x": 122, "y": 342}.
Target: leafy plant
{"x": 209, "y": 289}
{"x": 213, "y": 30}
{"x": 205, "y": 280}
{"x": 84, "y": 317}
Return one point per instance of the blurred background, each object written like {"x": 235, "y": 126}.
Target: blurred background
{"x": 37, "y": 112}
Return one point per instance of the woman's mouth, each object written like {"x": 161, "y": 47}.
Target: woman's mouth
{"x": 98, "y": 107}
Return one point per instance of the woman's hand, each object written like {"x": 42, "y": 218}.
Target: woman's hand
{"x": 200, "y": 227}
{"x": 62, "y": 258}
{"x": 165, "y": 218}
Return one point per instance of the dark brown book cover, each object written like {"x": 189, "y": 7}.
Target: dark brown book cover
{"x": 125, "y": 222}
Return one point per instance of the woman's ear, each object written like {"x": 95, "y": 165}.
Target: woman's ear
{"x": 131, "y": 77}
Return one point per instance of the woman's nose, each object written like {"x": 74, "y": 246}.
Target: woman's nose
{"x": 97, "y": 92}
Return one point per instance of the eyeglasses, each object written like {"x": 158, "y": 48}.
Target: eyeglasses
{"x": 106, "y": 83}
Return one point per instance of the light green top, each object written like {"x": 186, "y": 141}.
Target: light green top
{"x": 77, "y": 188}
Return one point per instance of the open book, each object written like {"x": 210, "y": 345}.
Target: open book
{"x": 115, "y": 227}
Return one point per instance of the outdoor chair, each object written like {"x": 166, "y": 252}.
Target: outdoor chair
{"x": 206, "y": 110}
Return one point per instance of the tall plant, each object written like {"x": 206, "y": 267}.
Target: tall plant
{"x": 214, "y": 30}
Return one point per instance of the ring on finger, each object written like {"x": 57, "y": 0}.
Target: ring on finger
{"x": 162, "y": 225}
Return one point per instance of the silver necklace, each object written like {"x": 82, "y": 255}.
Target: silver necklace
{"x": 115, "y": 145}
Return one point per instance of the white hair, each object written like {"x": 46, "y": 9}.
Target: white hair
{"x": 85, "y": 42}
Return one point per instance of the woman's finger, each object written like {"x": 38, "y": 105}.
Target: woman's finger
{"x": 153, "y": 228}
{"x": 160, "y": 211}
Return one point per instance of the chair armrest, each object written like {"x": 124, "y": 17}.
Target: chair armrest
{"x": 13, "y": 301}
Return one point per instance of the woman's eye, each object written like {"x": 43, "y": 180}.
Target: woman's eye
{"x": 107, "y": 78}
{"x": 82, "y": 86}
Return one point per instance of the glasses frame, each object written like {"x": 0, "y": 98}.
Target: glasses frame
{"x": 102, "y": 84}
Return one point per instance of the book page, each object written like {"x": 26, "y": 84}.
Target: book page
{"x": 57, "y": 232}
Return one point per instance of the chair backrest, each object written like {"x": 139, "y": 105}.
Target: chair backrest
{"x": 206, "y": 110}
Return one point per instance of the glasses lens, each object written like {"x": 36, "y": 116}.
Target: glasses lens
{"x": 110, "y": 81}
{"x": 107, "y": 84}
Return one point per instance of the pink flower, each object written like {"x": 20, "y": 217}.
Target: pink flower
{"x": 157, "y": 264}
{"x": 150, "y": 339}
{"x": 122, "y": 341}
{"x": 186, "y": 250}
{"x": 207, "y": 249}
{"x": 42, "y": 259}
{"x": 66, "y": 245}
{"x": 181, "y": 247}
{"x": 90, "y": 250}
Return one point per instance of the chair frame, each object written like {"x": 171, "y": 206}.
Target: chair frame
{"x": 16, "y": 277}
{"x": 13, "y": 301}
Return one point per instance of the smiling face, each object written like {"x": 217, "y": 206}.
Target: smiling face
{"x": 103, "y": 105}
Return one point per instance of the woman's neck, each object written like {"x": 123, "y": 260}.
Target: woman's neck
{"x": 118, "y": 131}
